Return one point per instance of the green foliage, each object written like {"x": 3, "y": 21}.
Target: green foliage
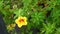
{"x": 43, "y": 15}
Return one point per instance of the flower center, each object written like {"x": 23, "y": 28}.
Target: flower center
{"x": 21, "y": 20}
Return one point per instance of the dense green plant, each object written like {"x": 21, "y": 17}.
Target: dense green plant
{"x": 43, "y": 15}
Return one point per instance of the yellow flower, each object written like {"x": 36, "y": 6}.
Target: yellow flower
{"x": 10, "y": 26}
{"x": 20, "y": 21}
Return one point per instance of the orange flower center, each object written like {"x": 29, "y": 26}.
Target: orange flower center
{"x": 21, "y": 20}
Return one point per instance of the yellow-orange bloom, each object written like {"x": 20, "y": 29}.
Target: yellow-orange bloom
{"x": 20, "y": 21}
